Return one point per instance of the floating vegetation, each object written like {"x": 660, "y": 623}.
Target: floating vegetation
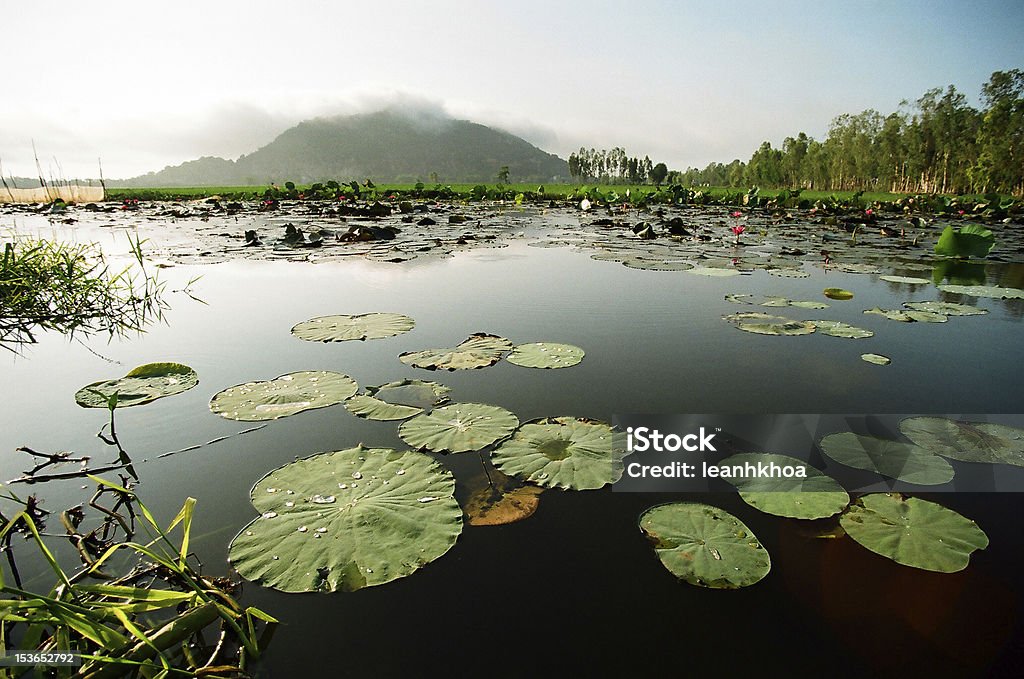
{"x": 705, "y": 546}
{"x": 840, "y": 329}
{"x": 838, "y": 294}
{"x": 712, "y": 271}
{"x": 563, "y": 452}
{"x": 346, "y": 520}
{"x": 893, "y": 459}
{"x": 356, "y": 327}
{"x": 908, "y": 316}
{"x": 657, "y": 264}
{"x": 545, "y": 355}
{"x": 848, "y": 267}
{"x": 815, "y": 497}
{"x": 142, "y": 385}
{"x": 283, "y": 396}
{"x": 498, "y": 500}
{"x": 775, "y": 301}
{"x": 479, "y": 350}
{"x": 946, "y": 308}
{"x": 984, "y": 442}
{"x": 905, "y": 280}
{"x": 969, "y": 240}
{"x": 789, "y": 273}
{"x": 983, "y": 291}
{"x": 876, "y": 359}
{"x": 458, "y": 427}
{"x": 913, "y": 532}
{"x": 397, "y": 400}
{"x": 764, "y": 324}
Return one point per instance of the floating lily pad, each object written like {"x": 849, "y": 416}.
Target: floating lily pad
{"x": 397, "y": 400}
{"x": 142, "y": 385}
{"x": 983, "y": 291}
{"x": 563, "y": 452}
{"x": 838, "y": 293}
{"x": 545, "y": 355}
{"x": 848, "y": 267}
{"x": 355, "y": 327}
{"x": 946, "y": 308}
{"x": 705, "y": 546}
{"x": 905, "y": 280}
{"x": 764, "y": 324}
{"x": 967, "y": 441}
{"x": 913, "y": 532}
{"x": 789, "y": 273}
{"x": 908, "y": 316}
{"x": 877, "y": 359}
{"x": 346, "y": 520}
{"x": 497, "y": 500}
{"x": 479, "y": 350}
{"x": 458, "y": 427}
{"x": 712, "y": 271}
{"x": 656, "y": 265}
{"x": 808, "y": 304}
{"x": 896, "y": 460}
{"x": 283, "y": 396}
{"x": 815, "y": 497}
{"x": 840, "y": 329}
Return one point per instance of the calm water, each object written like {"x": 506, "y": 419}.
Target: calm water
{"x": 575, "y": 587}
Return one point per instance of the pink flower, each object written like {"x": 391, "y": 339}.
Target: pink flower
{"x": 960, "y": 212}
{"x": 738, "y": 229}
{"x": 869, "y": 212}
{"x": 737, "y": 214}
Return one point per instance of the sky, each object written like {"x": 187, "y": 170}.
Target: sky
{"x": 142, "y": 85}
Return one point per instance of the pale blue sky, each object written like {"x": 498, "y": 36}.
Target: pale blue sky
{"x": 144, "y": 85}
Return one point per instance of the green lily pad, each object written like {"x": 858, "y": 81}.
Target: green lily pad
{"x": 355, "y": 327}
{"x": 346, "y": 520}
{"x": 397, "y": 400}
{"x": 705, "y": 546}
{"x": 983, "y": 291}
{"x": 283, "y": 396}
{"x": 458, "y": 427}
{"x": 815, "y": 497}
{"x": 479, "y": 350}
{"x": 808, "y": 304}
{"x": 969, "y": 240}
{"x": 838, "y": 293}
{"x": 563, "y": 452}
{"x": 967, "y": 441}
{"x": 840, "y": 329}
{"x": 656, "y": 265}
{"x": 848, "y": 267}
{"x": 896, "y": 460}
{"x": 142, "y": 385}
{"x": 764, "y": 324}
{"x": 908, "y": 316}
{"x": 545, "y": 355}
{"x": 712, "y": 271}
{"x": 876, "y": 359}
{"x": 913, "y": 532}
{"x": 905, "y": 280}
{"x": 789, "y": 273}
{"x": 946, "y": 308}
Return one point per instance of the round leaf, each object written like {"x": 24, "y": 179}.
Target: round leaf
{"x": 346, "y": 520}
{"x": 840, "y": 329}
{"x": 876, "y": 359}
{"x": 815, "y": 497}
{"x": 142, "y": 385}
{"x": 967, "y": 441}
{"x": 705, "y": 546}
{"x": 355, "y": 327}
{"x": 983, "y": 291}
{"x": 458, "y": 427}
{"x": 906, "y": 280}
{"x": 477, "y": 351}
{"x": 545, "y": 355}
{"x": 712, "y": 271}
{"x": 900, "y": 461}
{"x": 283, "y": 396}
{"x": 397, "y": 400}
{"x": 764, "y": 324}
{"x": 838, "y": 293}
{"x": 913, "y": 532}
{"x": 945, "y": 308}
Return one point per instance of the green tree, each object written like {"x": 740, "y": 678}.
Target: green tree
{"x": 658, "y": 173}
{"x": 503, "y": 175}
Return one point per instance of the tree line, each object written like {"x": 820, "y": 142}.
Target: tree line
{"x": 614, "y": 167}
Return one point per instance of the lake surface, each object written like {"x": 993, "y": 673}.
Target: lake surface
{"x": 576, "y": 587}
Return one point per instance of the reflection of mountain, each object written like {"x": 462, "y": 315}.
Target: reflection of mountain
{"x": 384, "y": 146}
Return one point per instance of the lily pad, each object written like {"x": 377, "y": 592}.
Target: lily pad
{"x": 908, "y": 316}
{"x": 905, "y": 280}
{"x": 967, "y": 441}
{"x": 853, "y": 267}
{"x": 789, "y": 273}
{"x": 545, "y": 355}
{"x": 497, "y": 500}
{"x": 983, "y": 291}
{"x": 346, "y": 520}
{"x": 712, "y": 271}
{"x": 563, "y": 452}
{"x": 896, "y": 460}
{"x": 283, "y": 396}
{"x": 142, "y": 385}
{"x": 656, "y": 265}
{"x": 397, "y": 400}
{"x": 877, "y": 359}
{"x": 946, "y": 308}
{"x": 913, "y": 532}
{"x": 705, "y": 546}
{"x": 840, "y": 329}
{"x": 479, "y": 350}
{"x": 764, "y": 324}
{"x": 838, "y": 293}
{"x": 355, "y": 327}
{"x": 458, "y": 427}
{"x": 815, "y": 497}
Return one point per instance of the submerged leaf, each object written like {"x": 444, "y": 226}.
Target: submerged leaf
{"x": 142, "y": 385}
{"x": 355, "y": 327}
{"x": 479, "y": 350}
{"x": 545, "y": 355}
{"x": 913, "y": 532}
{"x": 967, "y": 441}
{"x": 458, "y": 427}
{"x": 283, "y": 396}
{"x": 346, "y": 520}
{"x": 815, "y": 497}
{"x": 497, "y": 500}
{"x": 896, "y": 460}
{"x": 705, "y": 546}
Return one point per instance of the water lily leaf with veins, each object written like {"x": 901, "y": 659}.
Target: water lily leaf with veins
{"x": 946, "y": 308}
{"x": 815, "y": 497}
{"x": 283, "y": 396}
{"x": 142, "y": 385}
{"x": 840, "y": 329}
{"x": 346, "y": 520}
{"x": 913, "y": 532}
{"x": 764, "y": 324}
{"x": 896, "y": 460}
{"x": 563, "y": 452}
{"x": 908, "y": 316}
{"x": 477, "y": 351}
{"x": 397, "y": 400}
{"x": 967, "y": 441}
{"x": 983, "y": 291}
{"x": 458, "y": 427}
{"x": 545, "y": 355}
{"x": 705, "y": 546}
{"x": 353, "y": 327}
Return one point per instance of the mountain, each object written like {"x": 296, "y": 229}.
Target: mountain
{"x": 384, "y": 146}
